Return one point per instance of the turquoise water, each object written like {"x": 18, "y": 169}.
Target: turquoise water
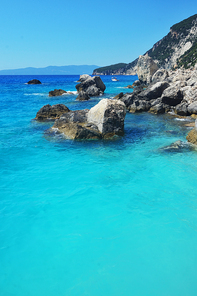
{"x": 110, "y": 218}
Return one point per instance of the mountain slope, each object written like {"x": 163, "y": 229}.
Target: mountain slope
{"x": 52, "y": 70}
{"x": 176, "y": 49}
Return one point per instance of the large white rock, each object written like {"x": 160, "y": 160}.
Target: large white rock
{"x": 146, "y": 67}
{"x": 108, "y": 115}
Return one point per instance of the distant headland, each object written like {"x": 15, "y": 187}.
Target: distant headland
{"x": 52, "y": 70}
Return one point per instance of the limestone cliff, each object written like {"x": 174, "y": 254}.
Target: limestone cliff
{"x": 177, "y": 49}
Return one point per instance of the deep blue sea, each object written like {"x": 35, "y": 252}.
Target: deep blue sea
{"x": 93, "y": 218}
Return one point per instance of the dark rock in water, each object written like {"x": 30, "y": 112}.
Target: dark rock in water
{"x": 127, "y": 99}
{"x": 34, "y": 81}
{"x": 93, "y": 86}
{"x": 49, "y": 112}
{"x": 119, "y": 96}
{"x": 172, "y": 95}
{"x": 139, "y": 106}
{"x": 104, "y": 120}
{"x": 182, "y": 109}
{"x": 178, "y": 146}
{"x": 57, "y": 92}
{"x": 157, "y": 109}
{"x": 83, "y": 96}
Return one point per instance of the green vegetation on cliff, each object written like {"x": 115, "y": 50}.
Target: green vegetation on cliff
{"x": 111, "y": 68}
{"x": 189, "y": 58}
{"x": 167, "y": 50}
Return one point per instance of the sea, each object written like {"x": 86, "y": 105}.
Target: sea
{"x": 111, "y": 217}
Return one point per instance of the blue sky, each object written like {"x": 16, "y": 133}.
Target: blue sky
{"x": 41, "y": 33}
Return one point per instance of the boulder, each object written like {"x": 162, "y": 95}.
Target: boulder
{"x": 108, "y": 115}
{"x": 172, "y": 95}
{"x": 104, "y": 120}
{"x": 83, "y": 96}
{"x": 49, "y": 112}
{"x": 93, "y": 86}
{"x": 182, "y": 109}
{"x": 160, "y": 75}
{"x": 157, "y": 109}
{"x": 127, "y": 99}
{"x": 56, "y": 92}
{"x": 192, "y": 136}
{"x": 139, "y": 106}
{"x": 83, "y": 77}
{"x": 153, "y": 91}
{"x": 34, "y": 81}
{"x": 192, "y": 108}
{"x": 119, "y": 96}
{"x": 146, "y": 67}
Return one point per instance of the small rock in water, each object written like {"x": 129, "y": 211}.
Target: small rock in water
{"x": 178, "y": 146}
{"x": 34, "y": 81}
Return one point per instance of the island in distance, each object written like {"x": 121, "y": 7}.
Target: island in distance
{"x": 52, "y": 70}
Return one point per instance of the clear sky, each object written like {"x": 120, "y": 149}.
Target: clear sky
{"x": 41, "y": 33}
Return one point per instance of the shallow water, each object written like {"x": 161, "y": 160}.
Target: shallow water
{"x": 110, "y": 218}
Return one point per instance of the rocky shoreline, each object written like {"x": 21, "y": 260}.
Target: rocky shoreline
{"x": 157, "y": 91}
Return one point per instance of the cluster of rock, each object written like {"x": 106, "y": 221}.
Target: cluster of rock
{"x": 89, "y": 86}
{"x": 163, "y": 91}
{"x": 103, "y": 121}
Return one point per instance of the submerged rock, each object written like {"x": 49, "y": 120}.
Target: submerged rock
{"x": 49, "y": 112}
{"x": 34, "y": 81}
{"x": 57, "y": 92}
{"x": 178, "y": 146}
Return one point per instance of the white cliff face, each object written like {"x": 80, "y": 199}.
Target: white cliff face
{"x": 146, "y": 67}
{"x": 183, "y": 45}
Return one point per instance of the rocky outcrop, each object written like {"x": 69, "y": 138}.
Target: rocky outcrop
{"x": 83, "y": 96}
{"x": 49, "y": 112}
{"x": 93, "y": 86}
{"x": 146, "y": 67}
{"x": 34, "y": 81}
{"x": 57, "y": 92}
{"x": 103, "y": 121}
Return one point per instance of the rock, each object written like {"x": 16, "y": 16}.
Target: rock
{"x": 135, "y": 83}
{"x": 104, "y": 120}
{"x": 108, "y": 115}
{"x": 153, "y": 91}
{"x": 192, "y": 108}
{"x": 127, "y": 99}
{"x": 93, "y": 86}
{"x": 139, "y": 106}
{"x": 83, "y": 96}
{"x": 49, "y": 112}
{"x": 119, "y": 96}
{"x": 192, "y": 136}
{"x": 157, "y": 109}
{"x": 146, "y": 67}
{"x": 34, "y": 81}
{"x": 56, "y": 92}
{"x": 178, "y": 146}
{"x": 83, "y": 77}
{"x": 182, "y": 109}
{"x": 160, "y": 75}
{"x": 172, "y": 95}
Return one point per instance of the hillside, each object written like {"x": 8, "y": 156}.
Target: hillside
{"x": 51, "y": 70}
{"x": 177, "y": 49}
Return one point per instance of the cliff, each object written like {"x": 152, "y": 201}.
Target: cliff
{"x": 177, "y": 49}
